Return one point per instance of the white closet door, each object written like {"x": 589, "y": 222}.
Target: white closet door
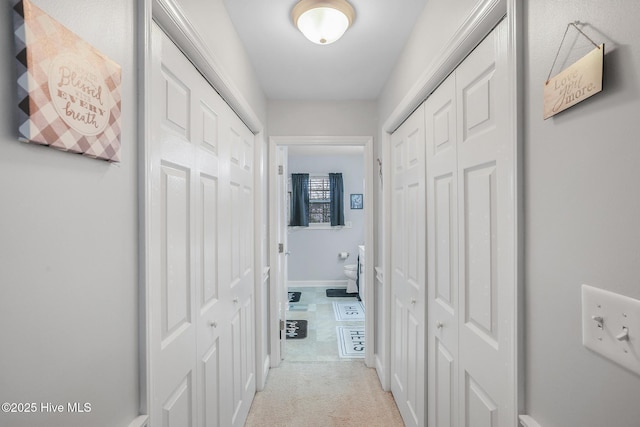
{"x": 486, "y": 224}
{"x": 239, "y": 287}
{"x": 471, "y": 243}
{"x": 200, "y": 213}
{"x": 442, "y": 250}
{"x": 408, "y": 281}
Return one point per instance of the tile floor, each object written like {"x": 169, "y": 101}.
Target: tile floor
{"x": 321, "y": 344}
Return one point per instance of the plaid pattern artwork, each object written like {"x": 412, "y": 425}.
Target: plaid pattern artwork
{"x": 69, "y": 93}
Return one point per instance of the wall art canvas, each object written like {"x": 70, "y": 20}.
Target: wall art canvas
{"x": 68, "y": 92}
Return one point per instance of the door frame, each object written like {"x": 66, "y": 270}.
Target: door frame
{"x": 479, "y": 23}
{"x": 172, "y": 20}
{"x": 278, "y": 141}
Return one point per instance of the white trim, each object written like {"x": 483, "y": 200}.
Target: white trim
{"x": 170, "y": 17}
{"x": 367, "y": 143}
{"x": 516, "y": 106}
{"x": 144, "y": 201}
{"x": 317, "y": 284}
{"x": 379, "y": 361}
{"x": 478, "y": 24}
{"x": 385, "y": 317}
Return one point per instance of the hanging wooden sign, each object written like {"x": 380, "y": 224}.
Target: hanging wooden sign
{"x": 576, "y": 83}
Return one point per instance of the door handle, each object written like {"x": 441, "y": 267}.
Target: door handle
{"x": 439, "y": 325}
{"x": 213, "y": 324}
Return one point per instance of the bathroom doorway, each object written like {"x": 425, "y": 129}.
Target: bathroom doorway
{"x": 309, "y": 259}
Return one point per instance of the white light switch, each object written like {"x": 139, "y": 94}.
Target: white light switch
{"x": 611, "y": 326}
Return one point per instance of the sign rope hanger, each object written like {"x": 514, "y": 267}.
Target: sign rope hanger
{"x": 573, "y": 24}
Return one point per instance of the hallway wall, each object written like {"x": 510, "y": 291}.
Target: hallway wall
{"x": 581, "y": 212}
{"x": 68, "y": 248}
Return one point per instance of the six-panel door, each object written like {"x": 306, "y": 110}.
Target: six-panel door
{"x": 200, "y": 207}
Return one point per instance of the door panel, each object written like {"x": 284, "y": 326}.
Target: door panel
{"x": 442, "y": 260}
{"x": 177, "y": 410}
{"x": 480, "y": 290}
{"x": 408, "y": 269}
{"x": 175, "y": 214}
{"x": 200, "y": 257}
{"x": 486, "y": 173}
{"x": 480, "y": 409}
{"x": 210, "y": 368}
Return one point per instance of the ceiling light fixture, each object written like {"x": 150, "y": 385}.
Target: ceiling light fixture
{"x": 323, "y": 21}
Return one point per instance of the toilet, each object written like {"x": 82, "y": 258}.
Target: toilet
{"x": 351, "y": 271}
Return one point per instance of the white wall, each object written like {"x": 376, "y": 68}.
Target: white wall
{"x": 582, "y": 213}
{"x": 322, "y": 118}
{"x": 314, "y": 253}
{"x": 68, "y": 248}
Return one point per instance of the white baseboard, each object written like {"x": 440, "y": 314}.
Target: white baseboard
{"x": 527, "y": 421}
{"x": 140, "y": 421}
{"x": 265, "y": 373}
{"x": 317, "y": 284}
{"x": 382, "y": 375}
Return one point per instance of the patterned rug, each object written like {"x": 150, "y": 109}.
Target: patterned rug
{"x": 345, "y": 311}
{"x": 294, "y": 296}
{"x": 296, "y": 329}
{"x": 350, "y": 341}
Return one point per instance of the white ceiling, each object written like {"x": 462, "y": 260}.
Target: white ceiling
{"x": 289, "y": 67}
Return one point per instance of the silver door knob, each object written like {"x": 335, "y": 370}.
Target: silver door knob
{"x": 236, "y": 299}
{"x": 439, "y": 325}
{"x": 413, "y": 301}
{"x": 213, "y": 324}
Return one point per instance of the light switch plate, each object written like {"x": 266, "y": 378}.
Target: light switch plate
{"x": 611, "y": 326}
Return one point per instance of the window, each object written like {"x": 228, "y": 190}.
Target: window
{"x": 319, "y": 200}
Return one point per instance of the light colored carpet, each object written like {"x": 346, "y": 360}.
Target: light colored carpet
{"x": 323, "y": 394}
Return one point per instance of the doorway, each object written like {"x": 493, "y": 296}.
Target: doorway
{"x": 309, "y": 239}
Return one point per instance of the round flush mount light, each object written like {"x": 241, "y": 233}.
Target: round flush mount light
{"x": 323, "y": 21}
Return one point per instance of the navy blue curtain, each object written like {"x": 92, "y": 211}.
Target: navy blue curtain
{"x": 300, "y": 199}
{"x": 336, "y": 199}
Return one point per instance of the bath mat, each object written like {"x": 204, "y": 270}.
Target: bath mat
{"x": 294, "y": 296}
{"x": 340, "y": 293}
{"x": 348, "y": 310}
{"x": 296, "y": 329}
{"x": 350, "y": 341}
